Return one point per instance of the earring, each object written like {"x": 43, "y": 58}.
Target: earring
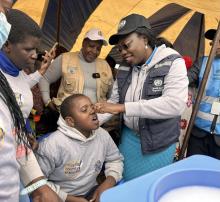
{"x": 146, "y": 47}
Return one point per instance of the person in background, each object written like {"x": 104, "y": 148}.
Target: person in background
{"x": 15, "y": 155}
{"x": 72, "y": 157}
{"x": 185, "y": 117}
{"x": 7, "y": 141}
{"x": 81, "y": 72}
{"x": 110, "y": 60}
{"x": 150, "y": 93}
{"x": 5, "y": 26}
{"x": 205, "y": 135}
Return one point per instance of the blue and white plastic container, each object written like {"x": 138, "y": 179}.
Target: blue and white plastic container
{"x": 183, "y": 178}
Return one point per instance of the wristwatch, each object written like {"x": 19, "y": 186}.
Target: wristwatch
{"x": 33, "y": 187}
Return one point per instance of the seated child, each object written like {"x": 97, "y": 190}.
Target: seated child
{"x": 72, "y": 156}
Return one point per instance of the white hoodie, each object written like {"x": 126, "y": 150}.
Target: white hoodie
{"x": 71, "y": 162}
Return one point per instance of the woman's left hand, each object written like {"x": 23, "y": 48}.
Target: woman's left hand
{"x": 47, "y": 58}
{"x": 106, "y": 107}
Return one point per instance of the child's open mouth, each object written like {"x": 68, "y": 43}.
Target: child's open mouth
{"x": 95, "y": 118}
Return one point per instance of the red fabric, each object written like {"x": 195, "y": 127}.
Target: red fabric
{"x": 188, "y": 61}
{"x": 183, "y": 124}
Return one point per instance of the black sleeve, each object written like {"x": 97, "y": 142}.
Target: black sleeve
{"x": 193, "y": 73}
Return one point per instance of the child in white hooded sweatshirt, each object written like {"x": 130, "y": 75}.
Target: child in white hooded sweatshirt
{"x": 72, "y": 157}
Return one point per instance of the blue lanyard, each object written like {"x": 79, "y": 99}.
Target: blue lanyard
{"x": 151, "y": 56}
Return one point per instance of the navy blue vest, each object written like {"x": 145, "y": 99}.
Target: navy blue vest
{"x": 155, "y": 134}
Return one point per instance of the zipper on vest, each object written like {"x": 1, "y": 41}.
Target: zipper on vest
{"x": 133, "y": 99}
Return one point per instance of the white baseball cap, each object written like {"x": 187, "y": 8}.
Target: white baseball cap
{"x": 95, "y": 34}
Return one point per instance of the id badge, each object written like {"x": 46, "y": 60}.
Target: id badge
{"x": 215, "y": 110}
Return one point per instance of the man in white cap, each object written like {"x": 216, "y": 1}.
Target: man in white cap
{"x": 80, "y": 72}
{"x": 205, "y": 135}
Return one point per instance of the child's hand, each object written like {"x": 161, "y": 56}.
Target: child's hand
{"x": 108, "y": 183}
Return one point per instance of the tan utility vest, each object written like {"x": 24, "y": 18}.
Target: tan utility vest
{"x": 72, "y": 81}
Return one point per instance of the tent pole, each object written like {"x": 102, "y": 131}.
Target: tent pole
{"x": 200, "y": 93}
{"x": 200, "y": 36}
{"x": 58, "y": 21}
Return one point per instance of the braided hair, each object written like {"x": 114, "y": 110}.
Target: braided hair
{"x": 7, "y": 95}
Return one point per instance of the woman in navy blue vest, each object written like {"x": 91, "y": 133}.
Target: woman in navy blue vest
{"x": 150, "y": 93}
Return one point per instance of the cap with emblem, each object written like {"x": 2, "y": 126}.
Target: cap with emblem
{"x": 95, "y": 34}
{"x": 128, "y": 25}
